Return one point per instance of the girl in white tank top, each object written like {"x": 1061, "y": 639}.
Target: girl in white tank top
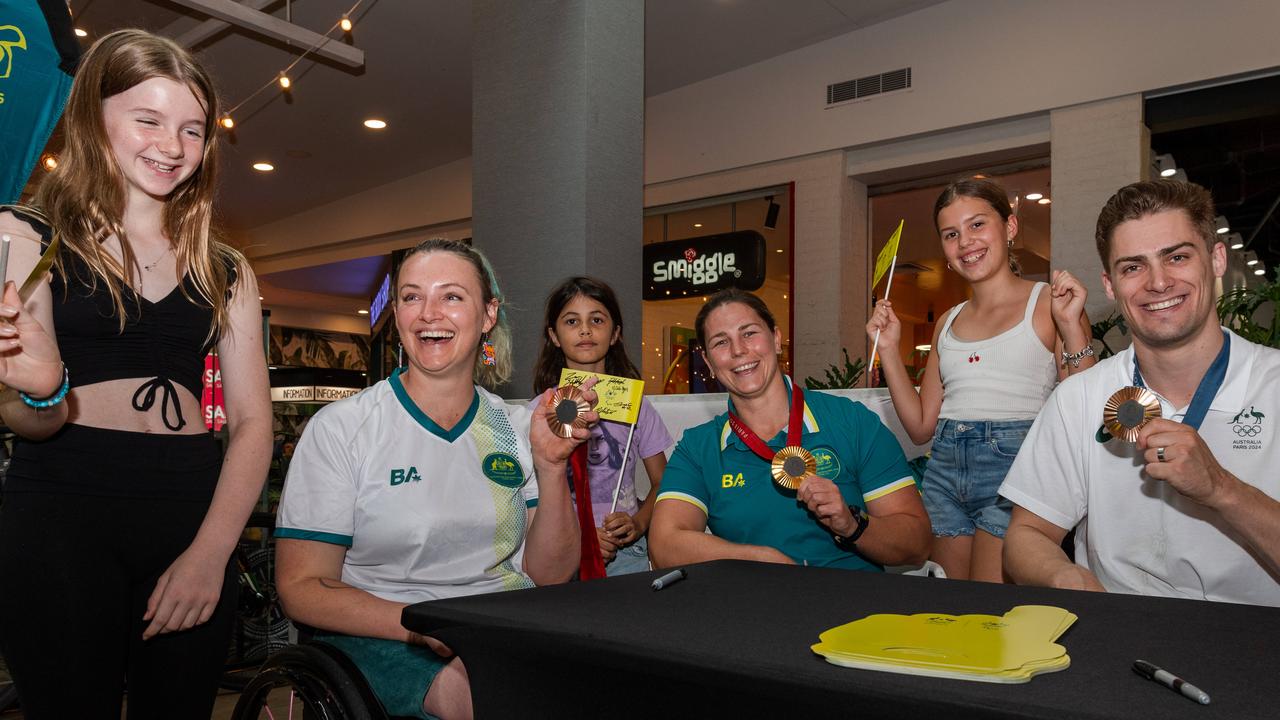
{"x": 998, "y": 357}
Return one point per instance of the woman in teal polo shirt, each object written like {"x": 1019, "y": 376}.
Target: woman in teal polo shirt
{"x": 854, "y": 504}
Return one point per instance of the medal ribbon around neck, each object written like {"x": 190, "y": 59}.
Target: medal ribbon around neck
{"x": 1206, "y": 390}
{"x": 792, "y": 463}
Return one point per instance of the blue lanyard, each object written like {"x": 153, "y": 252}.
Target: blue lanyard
{"x": 1208, "y": 387}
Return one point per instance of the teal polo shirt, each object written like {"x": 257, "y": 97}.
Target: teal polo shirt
{"x": 716, "y": 472}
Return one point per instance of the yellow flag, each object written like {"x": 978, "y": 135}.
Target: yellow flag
{"x": 886, "y": 256}
{"x": 619, "y": 397}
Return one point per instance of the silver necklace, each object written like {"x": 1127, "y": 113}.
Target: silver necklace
{"x": 157, "y": 260}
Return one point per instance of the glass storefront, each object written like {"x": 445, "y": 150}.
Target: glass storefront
{"x": 923, "y": 287}
{"x": 692, "y": 250}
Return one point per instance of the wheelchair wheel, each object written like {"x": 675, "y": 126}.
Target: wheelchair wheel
{"x": 316, "y": 679}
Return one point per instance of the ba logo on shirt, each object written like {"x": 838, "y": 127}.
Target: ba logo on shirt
{"x": 502, "y": 469}
{"x": 400, "y": 477}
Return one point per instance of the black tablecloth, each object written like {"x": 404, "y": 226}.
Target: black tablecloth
{"x": 733, "y": 640}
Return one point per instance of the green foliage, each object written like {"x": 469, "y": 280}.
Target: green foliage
{"x": 1237, "y": 310}
{"x": 1103, "y": 326}
{"x": 839, "y": 377}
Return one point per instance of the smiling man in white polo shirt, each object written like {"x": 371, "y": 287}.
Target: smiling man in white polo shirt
{"x": 1190, "y": 509}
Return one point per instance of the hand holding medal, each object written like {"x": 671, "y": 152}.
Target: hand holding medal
{"x": 567, "y": 414}
{"x": 569, "y": 408}
{"x": 1128, "y": 410}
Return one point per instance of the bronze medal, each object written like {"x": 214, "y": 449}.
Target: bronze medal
{"x": 569, "y": 410}
{"x": 791, "y": 465}
{"x": 1128, "y": 410}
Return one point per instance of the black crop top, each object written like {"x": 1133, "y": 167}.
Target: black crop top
{"x": 162, "y": 340}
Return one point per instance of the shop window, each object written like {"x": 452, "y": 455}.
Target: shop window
{"x": 755, "y": 229}
{"x": 923, "y": 288}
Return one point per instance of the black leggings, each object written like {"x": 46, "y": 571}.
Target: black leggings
{"x": 76, "y": 572}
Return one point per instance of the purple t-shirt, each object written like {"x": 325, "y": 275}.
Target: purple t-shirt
{"x": 604, "y": 458}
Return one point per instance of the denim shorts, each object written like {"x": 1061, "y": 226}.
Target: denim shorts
{"x": 633, "y": 558}
{"x": 966, "y": 467}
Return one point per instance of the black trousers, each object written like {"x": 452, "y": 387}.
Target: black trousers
{"x": 76, "y": 571}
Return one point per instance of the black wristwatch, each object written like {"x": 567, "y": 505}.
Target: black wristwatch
{"x": 849, "y": 544}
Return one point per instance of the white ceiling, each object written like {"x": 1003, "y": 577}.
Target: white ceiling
{"x": 417, "y": 76}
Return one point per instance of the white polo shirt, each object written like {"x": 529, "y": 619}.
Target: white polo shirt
{"x": 1137, "y": 534}
{"x": 425, "y": 513}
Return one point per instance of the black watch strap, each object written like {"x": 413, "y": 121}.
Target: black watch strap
{"x": 849, "y": 543}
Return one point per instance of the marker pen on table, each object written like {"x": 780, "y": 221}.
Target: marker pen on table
{"x": 670, "y": 578}
{"x": 1171, "y": 681}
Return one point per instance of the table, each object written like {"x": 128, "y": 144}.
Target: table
{"x": 733, "y": 640}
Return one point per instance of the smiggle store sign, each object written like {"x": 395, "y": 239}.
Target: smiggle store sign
{"x": 703, "y": 265}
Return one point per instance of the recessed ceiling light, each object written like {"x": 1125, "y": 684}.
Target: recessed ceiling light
{"x": 49, "y": 162}
{"x": 779, "y": 249}
{"x": 263, "y": 166}
{"x": 81, "y": 33}
{"x": 260, "y": 297}
{"x": 1044, "y": 201}
{"x": 375, "y": 124}
{"x": 924, "y": 348}
{"x": 1034, "y": 196}
{"x": 362, "y": 311}
{"x": 697, "y": 225}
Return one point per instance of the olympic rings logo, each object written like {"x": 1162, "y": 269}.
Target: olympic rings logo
{"x": 1247, "y": 430}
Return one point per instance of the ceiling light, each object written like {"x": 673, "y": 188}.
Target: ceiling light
{"x": 259, "y": 297}
{"x": 697, "y": 225}
{"x": 345, "y": 24}
{"x": 375, "y": 124}
{"x": 1034, "y": 196}
{"x": 1260, "y": 271}
{"x": 81, "y": 33}
{"x": 227, "y": 122}
{"x": 1223, "y": 227}
{"x": 1235, "y": 241}
{"x": 1165, "y": 165}
{"x": 1251, "y": 258}
{"x": 284, "y": 81}
{"x": 779, "y": 249}
{"x": 1044, "y": 201}
{"x": 924, "y": 348}
{"x": 263, "y": 166}
{"x": 979, "y": 176}
{"x": 49, "y": 162}
{"x": 362, "y": 311}
{"x": 1252, "y": 262}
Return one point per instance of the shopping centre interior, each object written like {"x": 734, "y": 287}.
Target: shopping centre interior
{"x": 773, "y": 145}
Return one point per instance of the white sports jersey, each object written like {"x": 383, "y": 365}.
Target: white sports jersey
{"x": 1138, "y": 534}
{"x": 425, "y": 513}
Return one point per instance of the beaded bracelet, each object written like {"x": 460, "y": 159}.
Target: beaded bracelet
{"x": 55, "y": 398}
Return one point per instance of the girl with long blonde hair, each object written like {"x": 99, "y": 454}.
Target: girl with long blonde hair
{"x": 120, "y": 510}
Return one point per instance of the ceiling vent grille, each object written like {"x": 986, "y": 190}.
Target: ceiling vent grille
{"x": 864, "y": 87}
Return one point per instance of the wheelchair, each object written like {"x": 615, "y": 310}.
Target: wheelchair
{"x": 315, "y": 677}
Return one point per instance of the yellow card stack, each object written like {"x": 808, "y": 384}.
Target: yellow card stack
{"x": 1008, "y": 648}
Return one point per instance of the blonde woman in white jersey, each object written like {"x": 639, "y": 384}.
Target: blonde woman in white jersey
{"x": 997, "y": 357}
